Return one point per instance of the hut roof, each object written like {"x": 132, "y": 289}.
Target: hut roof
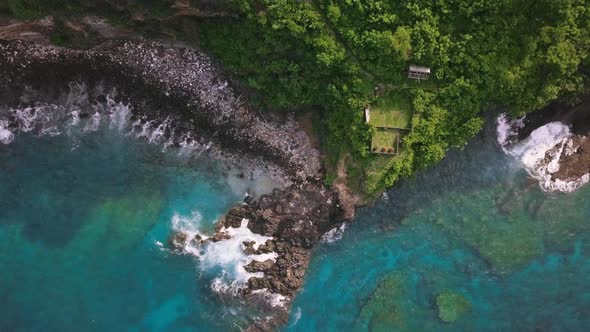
{"x": 420, "y": 69}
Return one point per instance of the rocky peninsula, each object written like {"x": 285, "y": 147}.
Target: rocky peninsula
{"x": 184, "y": 87}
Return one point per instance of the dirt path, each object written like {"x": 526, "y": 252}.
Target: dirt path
{"x": 348, "y": 199}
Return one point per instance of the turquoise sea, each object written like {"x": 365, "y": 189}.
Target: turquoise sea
{"x": 84, "y": 222}
{"x": 474, "y": 229}
{"x": 85, "y": 219}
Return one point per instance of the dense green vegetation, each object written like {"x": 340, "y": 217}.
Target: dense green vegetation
{"x": 329, "y": 55}
{"x": 515, "y": 54}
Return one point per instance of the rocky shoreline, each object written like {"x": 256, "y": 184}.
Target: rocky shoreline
{"x": 183, "y": 86}
{"x": 561, "y": 131}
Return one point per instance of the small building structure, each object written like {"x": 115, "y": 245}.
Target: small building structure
{"x": 419, "y": 72}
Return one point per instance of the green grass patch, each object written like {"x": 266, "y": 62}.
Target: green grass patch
{"x": 376, "y": 170}
{"x": 391, "y": 110}
{"x": 385, "y": 139}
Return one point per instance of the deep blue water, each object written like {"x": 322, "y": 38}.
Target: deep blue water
{"x": 475, "y": 226}
{"x": 85, "y": 218}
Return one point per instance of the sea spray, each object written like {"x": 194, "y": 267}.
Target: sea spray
{"x": 6, "y": 136}
{"x": 227, "y": 256}
{"x": 540, "y": 153}
{"x": 507, "y": 129}
{"x": 334, "y": 234}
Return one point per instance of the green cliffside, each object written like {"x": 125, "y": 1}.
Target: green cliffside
{"x": 337, "y": 58}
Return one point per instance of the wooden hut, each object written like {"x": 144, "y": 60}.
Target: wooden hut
{"x": 418, "y": 72}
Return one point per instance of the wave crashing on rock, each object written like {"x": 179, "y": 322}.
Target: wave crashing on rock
{"x": 543, "y": 152}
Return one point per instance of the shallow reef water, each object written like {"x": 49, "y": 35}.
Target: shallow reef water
{"x": 86, "y": 210}
{"x": 472, "y": 244}
{"x": 85, "y": 216}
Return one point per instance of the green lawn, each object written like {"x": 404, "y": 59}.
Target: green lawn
{"x": 384, "y": 138}
{"x": 391, "y": 110}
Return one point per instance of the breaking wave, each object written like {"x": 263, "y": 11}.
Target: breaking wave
{"x": 541, "y": 152}
{"x": 227, "y": 256}
{"x": 77, "y": 114}
{"x": 334, "y": 234}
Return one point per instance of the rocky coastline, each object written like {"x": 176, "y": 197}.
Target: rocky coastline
{"x": 565, "y": 162}
{"x": 184, "y": 87}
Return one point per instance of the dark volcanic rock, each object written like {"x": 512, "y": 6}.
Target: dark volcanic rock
{"x": 178, "y": 240}
{"x": 176, "y": 82}
{"x": 577, "y": 163}
{"x": 306, "y": 212}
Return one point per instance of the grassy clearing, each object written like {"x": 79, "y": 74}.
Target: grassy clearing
{"x": 375, "y": 171}
{"x": 385, "y": 138}
{"x": 392, "y": 110}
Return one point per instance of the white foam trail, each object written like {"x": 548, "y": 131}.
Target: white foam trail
{"x": 298, "y": 315}
{"x": 145, "y": 129}
{"x": 188, "y": 146}
{"x": 120, "y": 114}
{"x": 158, "y": 134}
{"x": 334, "y": 234}
{"x": 50, "y": 131}
{"x": 540, "y": 153}
{"x": 6, "y": 136}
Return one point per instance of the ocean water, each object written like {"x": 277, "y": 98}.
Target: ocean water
{"x": 87, "y": 205}
{"x": 475, "y": 226}
{"x": 86, "y": 210}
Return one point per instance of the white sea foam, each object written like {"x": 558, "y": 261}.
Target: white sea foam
{"x": 274, "y": 299}
{"x": 229, "y": 255}
{"x": 507, "y": 129}
{"x": 297, "y": 315}
{"x": 119, "y": 114}
{"x": 157, "y": 135}
{"x": 540, "y": 153}
{"x": 6, "y": 136}
{"x": 334, "y": 234}
{"x": 26, "y": 118}
{"x": 94, "y": 123}
{"x": 75, "y": 118}
{"x": 43, "y": 119}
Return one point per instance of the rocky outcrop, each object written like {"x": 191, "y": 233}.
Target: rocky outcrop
{"x": 296, "y": 218}
{"x": 183, "y": 86}
{"x": 575, "y": 162}
{"x": 561, "y": 131}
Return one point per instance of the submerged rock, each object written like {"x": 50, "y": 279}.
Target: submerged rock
{"x": 451, "y": 306}
{"x": 384, "y": 309}
{"x": 179, "y": 240}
